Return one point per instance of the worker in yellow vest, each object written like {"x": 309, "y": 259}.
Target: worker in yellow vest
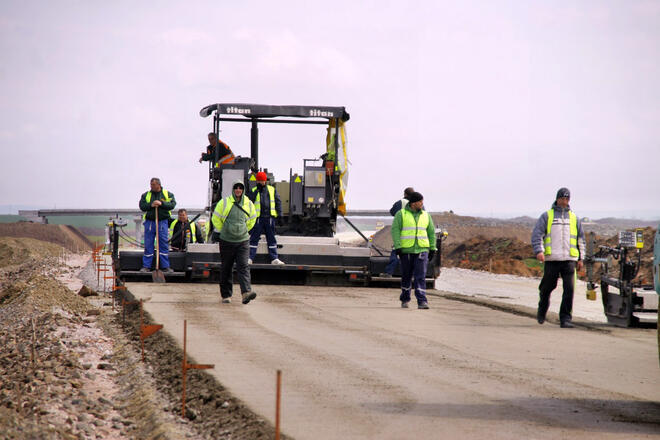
{"x": 233, "y": 218}
{"x": 269, "y": 210}
{"x": 558, "y": 242}
{"x": 162, "y": 200}
{"x": 413, "y": 235}
{"x": 396, "y": 207}
{"x": 183, "y": 232}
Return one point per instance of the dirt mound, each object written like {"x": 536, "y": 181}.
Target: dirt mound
{"x": 498, "y": 255}
{"x": 462, "y": 228}
{"x": 64, "y": 235}
{"x": 28, "y": 268}
{"x": 17, "y": 251}
{"x": 43, "y": 293}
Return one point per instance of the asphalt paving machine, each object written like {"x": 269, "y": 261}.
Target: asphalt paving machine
{"x": 627, "y": 302}
{"x": 311, "y": 203}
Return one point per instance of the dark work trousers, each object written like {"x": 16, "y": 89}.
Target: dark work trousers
{"x": 551, "y": 272}
{"x": 394, "y": 260}
{"x": 267, "y": 226}
{"x": 231, "y": 253}
{"x": 413, "y": 274}
{"x": 149, "y": 243}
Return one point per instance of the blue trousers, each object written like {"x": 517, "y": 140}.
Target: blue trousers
{"x": 391, "y": 266}
{"x": 149, "y": 240}
{"x": 413, "y": 276}
{"x": 267, "y": 225}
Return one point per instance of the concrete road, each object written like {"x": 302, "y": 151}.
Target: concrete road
{"x": 519, "y": 291}
{"x": 357, "y": 366}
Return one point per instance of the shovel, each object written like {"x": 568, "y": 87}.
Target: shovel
{"x": 157, "y": 276}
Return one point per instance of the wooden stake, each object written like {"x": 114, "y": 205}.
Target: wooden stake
{"x": 183, "y": 392}
{"x": 277, "y": 404}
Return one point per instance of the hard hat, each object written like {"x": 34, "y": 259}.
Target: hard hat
{"x": 261, "y": 176}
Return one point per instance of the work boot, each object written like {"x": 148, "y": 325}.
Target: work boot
{"x": 145, "y": 270}
{"x": 277, "y": 261}
{"x": 540, "y": 318}
{"x": 404, "y": 304}
{"x": 168, "y": 270}
{"x": 385, "y": 275}
{"x": 566, "y": 324}
{"x": 423, "y": 306}
{"x": 248, "y": 296}
{"x": 226, "y": 300}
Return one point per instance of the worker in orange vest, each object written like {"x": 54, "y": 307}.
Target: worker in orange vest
{"x": 226, "y": 156}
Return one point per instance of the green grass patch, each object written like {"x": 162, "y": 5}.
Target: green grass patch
{"x": 533, "y": 262}
{"x": 501, "y": 245}
{"x": 10, "y": 218}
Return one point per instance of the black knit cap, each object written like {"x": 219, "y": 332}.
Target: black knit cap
{"x": 415, "y": 197}
{"x": 563, "y": 192}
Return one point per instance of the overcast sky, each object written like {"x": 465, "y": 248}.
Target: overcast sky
{"x": 484, "y": 107}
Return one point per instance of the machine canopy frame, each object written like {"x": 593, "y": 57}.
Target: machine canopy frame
{"x": 273, "y": 111}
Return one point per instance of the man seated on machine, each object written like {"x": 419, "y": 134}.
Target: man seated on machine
{"x": 183, "y": 232}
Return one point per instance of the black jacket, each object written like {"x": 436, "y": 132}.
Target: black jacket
{"x": 396, "y": 207}
{"x": 264, "y": 200}
{"x": 210, "y": 151}
{"x": 178, "y": 240}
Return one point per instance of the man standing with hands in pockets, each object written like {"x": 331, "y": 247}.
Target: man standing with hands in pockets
{"x": 413, "y": 234}
{"x": 558, "y": 242}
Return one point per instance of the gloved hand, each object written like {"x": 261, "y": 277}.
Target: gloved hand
{"x": 280, "y": 221}
{"x": 398, "y": 252}
{"x": 431, "y": 255}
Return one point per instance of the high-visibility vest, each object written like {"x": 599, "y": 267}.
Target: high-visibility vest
{"x": 223, "y": 207}
{"x": 411, "y": 230}
{"x": 193, "y": 230}
{"x": 167, "y": 199}
{"x": 271, "y": 195}
{"x": 547, "y": 240}
{"x": 226, "y": 159}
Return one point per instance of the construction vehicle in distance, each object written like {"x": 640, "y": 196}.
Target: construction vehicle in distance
{"x": 626, "y": 302}
{"x": 311, "y": 202}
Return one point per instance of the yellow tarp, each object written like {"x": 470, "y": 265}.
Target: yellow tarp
{"x": 341, "y": 163}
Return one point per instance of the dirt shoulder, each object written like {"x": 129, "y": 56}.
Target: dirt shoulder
{"x": 72, "y": 368}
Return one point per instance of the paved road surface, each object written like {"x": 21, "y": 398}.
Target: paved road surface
{"x": 521, "y": 291}
{"x": 357, "y": 366}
